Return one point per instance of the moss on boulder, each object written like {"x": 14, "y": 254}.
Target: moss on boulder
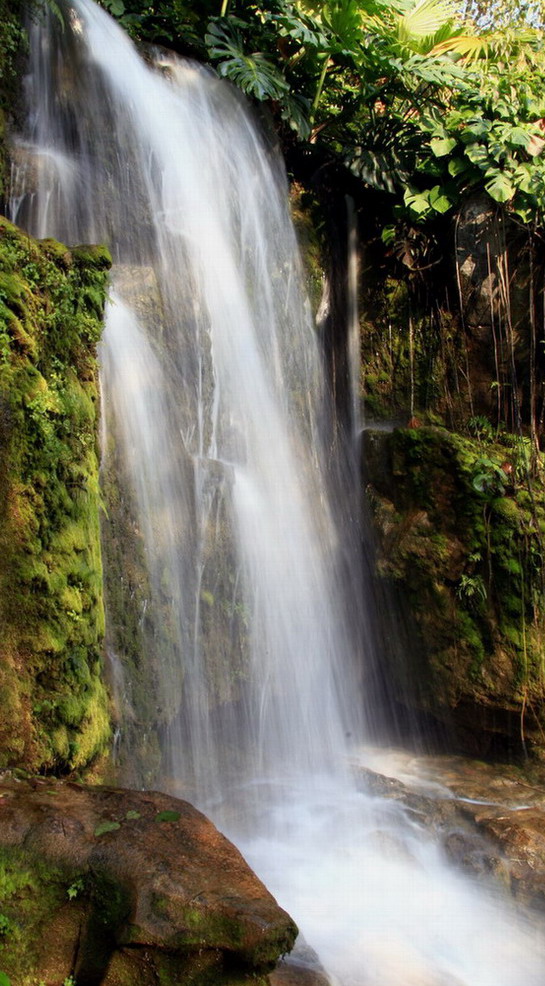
{"x": 127, "y": 888}
{"x": 55, "y": 710}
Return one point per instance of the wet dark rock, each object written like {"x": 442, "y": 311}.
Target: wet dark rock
{"x": 301, "y": 968}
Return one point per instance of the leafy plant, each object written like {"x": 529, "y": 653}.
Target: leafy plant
{"x": 488, "y": 477}
{"x": 76, "y": 888}
{"x": 253, "y": 73}
{"x": 471, "y": 587}
{"x": 480, "y": 427}
{"x": 416, "y": 102}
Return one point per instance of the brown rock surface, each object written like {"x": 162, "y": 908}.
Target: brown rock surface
{"x": 490, "y": 819}
{"x": 133, "y": 880}
{"x": 519, "y": 836}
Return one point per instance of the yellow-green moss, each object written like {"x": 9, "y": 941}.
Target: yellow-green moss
{"x": 51, "y": 604}
{"x": 31, "y": 892}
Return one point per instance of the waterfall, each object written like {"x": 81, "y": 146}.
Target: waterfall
{"x": 217, "y": 431}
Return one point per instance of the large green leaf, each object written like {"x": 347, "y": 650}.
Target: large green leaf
{"x": 377, "y": 169}
{"x": 417, "y": 202}
{"x": 456, "y": 166}
{"x": 439, "y": 201}
{"x": 425, "y": 18}
{"x": 500, "y": 187}
{"x": 434, "y": 71}
{"x": 518, "y": 137}
{"x": 478, "y": 154}
{"x": 254, "y": 74}
{"x": 474, "y": 129}
{"x": 441, "y": 146}
{"x": 295, "y": 110}
{"x": 343, "y": 19}
{"x": 302, "y": 29}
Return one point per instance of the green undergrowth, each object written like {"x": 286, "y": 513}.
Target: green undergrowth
{"x": 461, "y": 524}
{"x": 53, "y": 699}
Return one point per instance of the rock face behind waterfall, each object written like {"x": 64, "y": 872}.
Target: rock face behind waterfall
{"x": 120, "y": 887}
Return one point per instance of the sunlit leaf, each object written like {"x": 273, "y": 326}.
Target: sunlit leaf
{"x": 473, "y": 129}
{"x": 418, "y": 202}
{"x": 441, "y": 146}
{"x": 518, "y": 137}
{"x": 478, "y": 154}
{"x": 438, "y": 200}
{"x": 425, "y": 18}
{"x": 456, "y": 166}
{"x": 500, "y": 188}
{"x": 343, "y": 18}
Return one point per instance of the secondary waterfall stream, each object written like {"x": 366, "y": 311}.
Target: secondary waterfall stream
{"x": 218, "y": 427}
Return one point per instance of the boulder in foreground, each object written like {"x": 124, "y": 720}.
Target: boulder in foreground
{"x": 120, "y": 887}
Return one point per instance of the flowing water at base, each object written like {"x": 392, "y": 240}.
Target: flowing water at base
{"x": 218, "y": 431}
{"x": 373, "y": 894}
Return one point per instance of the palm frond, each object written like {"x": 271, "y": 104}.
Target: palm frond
{"x": 425, "y": 18}
{"x": 495, "y": 45}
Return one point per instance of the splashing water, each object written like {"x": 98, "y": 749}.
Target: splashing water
{"x": 216, "y": 417}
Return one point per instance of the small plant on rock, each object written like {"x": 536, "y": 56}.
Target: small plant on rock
{"x": 471, "y": 588}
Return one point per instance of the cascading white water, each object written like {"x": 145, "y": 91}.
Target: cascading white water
{"x": 216, "y": 413}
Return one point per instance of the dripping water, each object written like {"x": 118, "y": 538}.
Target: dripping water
{"x": 218, "y": 430}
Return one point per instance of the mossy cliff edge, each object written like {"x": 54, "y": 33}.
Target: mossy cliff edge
{"x": 54, "y": 700}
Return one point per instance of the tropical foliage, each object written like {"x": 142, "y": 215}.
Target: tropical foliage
{"x": 418, "y": 102}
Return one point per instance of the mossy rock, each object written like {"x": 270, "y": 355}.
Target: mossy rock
{"x": 51, "y": 605}
{"x": 127, "y": 888}
{"x": 460, "y": 542}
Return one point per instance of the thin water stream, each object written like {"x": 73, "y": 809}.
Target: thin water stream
{"x": 218, "y": 417}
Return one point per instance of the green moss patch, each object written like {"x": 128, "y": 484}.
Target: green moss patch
{"x": 51, "y": 607}
{"x": 460, "y": 528}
